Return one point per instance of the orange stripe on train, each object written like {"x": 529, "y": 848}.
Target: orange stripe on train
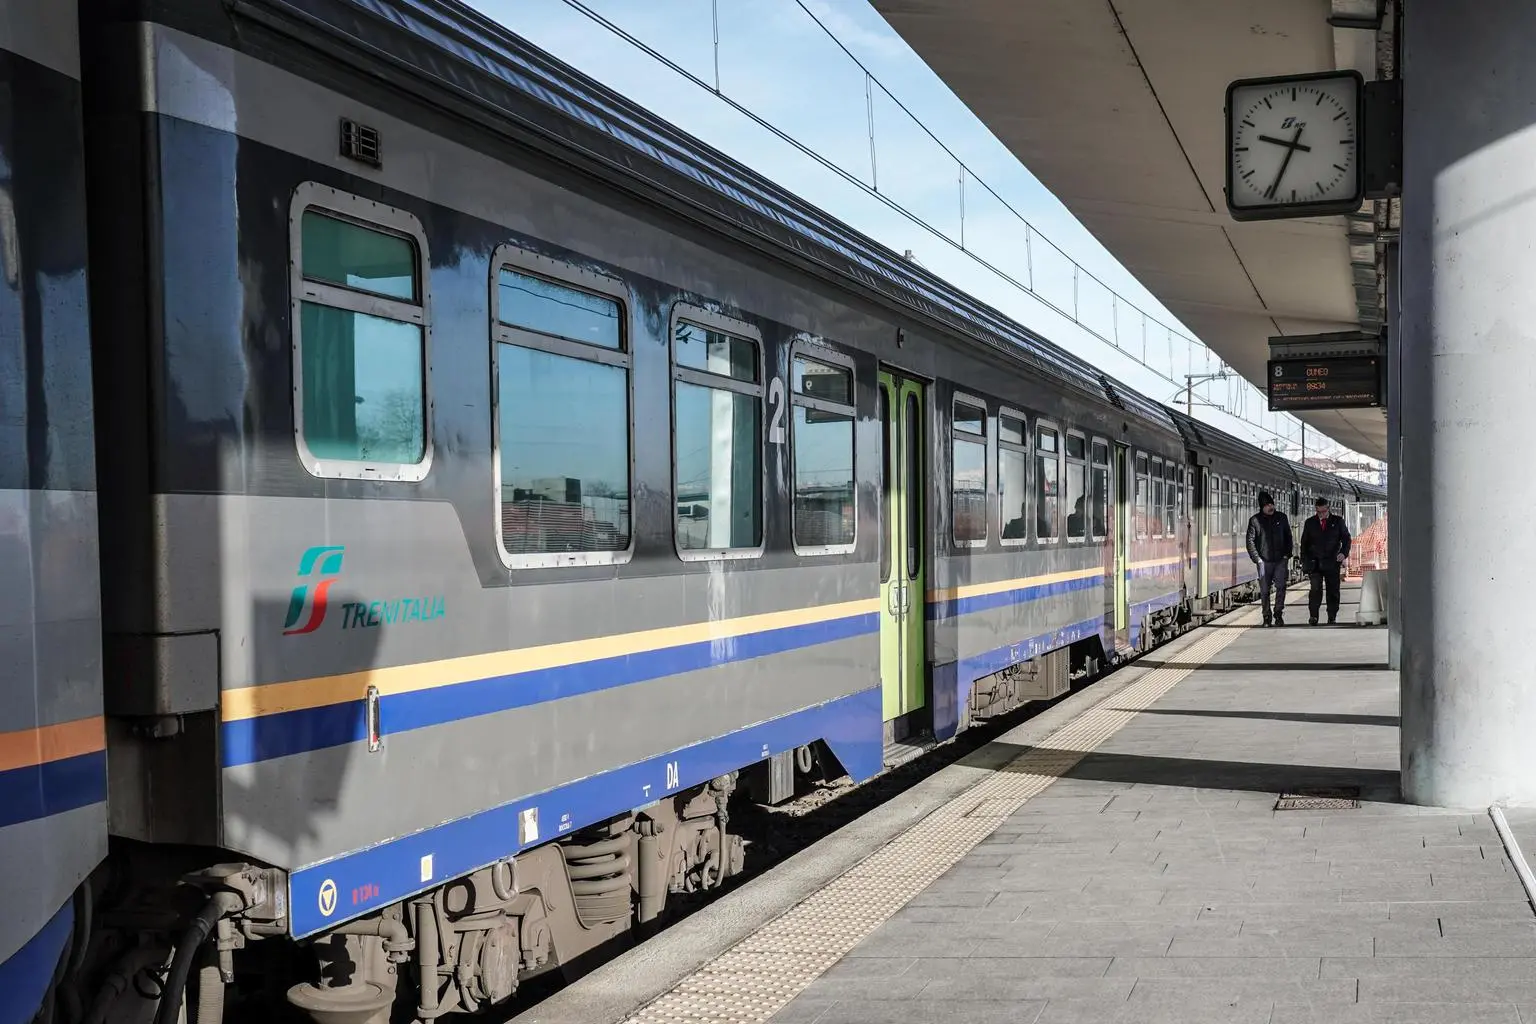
{"x": 26, "y": 748}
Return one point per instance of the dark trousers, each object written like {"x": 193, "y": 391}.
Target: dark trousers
{"x": 1329, "y": 575}
{"x": 1272, "y": 574}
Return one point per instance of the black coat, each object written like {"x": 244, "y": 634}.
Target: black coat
{"x": 1269, "y": 537}
{"x": 1321, "y": 545}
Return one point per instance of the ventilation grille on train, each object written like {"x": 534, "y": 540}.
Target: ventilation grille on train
{"x": 361, "y": 143}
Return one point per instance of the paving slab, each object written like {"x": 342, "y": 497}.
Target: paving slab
{"x": 1157, "y": 880}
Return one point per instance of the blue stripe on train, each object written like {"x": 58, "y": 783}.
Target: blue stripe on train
{"x": 954, "y": 607}
{"x": 249, "y": 740}
{"x": 357, "y": 883}
{"x": 26, "y": 975}
{"x": 53, "y": 787}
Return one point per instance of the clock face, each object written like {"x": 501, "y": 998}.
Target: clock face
{"x": 1294, "y": 143}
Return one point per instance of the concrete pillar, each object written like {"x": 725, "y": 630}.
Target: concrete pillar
{"x": 1394, "y": 461}
{"x": 1469, "y": 379}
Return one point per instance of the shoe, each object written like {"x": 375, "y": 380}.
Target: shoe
{"x": 1267, "y": 623}
{"x": 1312, "y": 622}
{"x": 1279, "y": 620}
{"x": 1332, "y": 620}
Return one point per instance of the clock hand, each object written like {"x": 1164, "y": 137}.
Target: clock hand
{"x": 1289, "y": 152}
{"x": 1282, "y": 142}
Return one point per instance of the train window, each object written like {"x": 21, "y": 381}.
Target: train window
{"x": 1170, "y": 495}
{"x": 535, "y": 304}
{"x": 1047, "y": 484}
{"x": 1077, "y": 487}
{"x": 883, "y": 400}
{"x": 968, "y": 474}
{"x": 912, "y": 473}
{"x": 1155, "y": 511}
{"x": 822, "y": 450}
{"x": 717, "y": 426}
{"x": 1178, "y": 505}
{"x": 1100, "y": 500}
{"x": 563, "y": 494}
{"x": 361, "y": 339}
{"x": 1013, "y": 478}
{"x": 1140, "y": 511}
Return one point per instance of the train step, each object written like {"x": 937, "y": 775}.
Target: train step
{"x": 899, "y": 752}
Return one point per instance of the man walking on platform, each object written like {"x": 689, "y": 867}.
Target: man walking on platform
{"x": 1324, "y": 547}
{"x": 1269, "y": 546}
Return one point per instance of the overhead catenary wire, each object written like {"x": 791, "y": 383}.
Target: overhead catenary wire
{"x": 871, "y": 189}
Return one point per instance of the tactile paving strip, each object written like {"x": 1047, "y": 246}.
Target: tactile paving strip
{"x": 758, "y": 977}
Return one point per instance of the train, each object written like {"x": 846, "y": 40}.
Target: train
{"x": 435, "y": 491}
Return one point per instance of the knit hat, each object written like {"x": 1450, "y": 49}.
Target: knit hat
{"x": 1265, "y": 499}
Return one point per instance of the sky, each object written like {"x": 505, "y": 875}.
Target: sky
{"x": 937, "y": 163}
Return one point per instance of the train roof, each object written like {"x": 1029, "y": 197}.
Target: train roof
{"x": 1202, "y": 436}
{"x": 480, "y": 68}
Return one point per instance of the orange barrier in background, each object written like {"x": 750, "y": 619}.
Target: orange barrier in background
{"x": 1368, "y": 550}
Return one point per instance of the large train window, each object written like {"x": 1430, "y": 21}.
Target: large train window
{"x": 1077, "y": 487}
{"x": 717, "y": 429}
{"x": 1142, "y": 485}
{"x": 1047, "y": 484}
{"x": 1178, "y": 505}
{"x": 1155, "y": 510}
{"x": 1100, "y": 500}
{"x": 968, "y": 473}
{"x": 562, "y": 484}
{"x": 361, "y": 337}
{"x": 1013, "y": 477}
{"x": 1170, "y": 496}
{"x": 822, "y": 450}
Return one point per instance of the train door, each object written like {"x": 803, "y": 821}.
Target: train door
{"x": 903, "y": 584}
{"x": 1122, "y": 545}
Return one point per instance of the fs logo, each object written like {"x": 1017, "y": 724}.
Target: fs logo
{"x": 319, "y": 567}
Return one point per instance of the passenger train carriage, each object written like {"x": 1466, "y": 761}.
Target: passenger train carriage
{"x": 494, "y": 482}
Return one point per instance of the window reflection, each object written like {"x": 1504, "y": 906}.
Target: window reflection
{"x": 564, "y": 453}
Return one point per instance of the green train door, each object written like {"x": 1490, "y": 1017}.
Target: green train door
{"x": 1122, "y": 541}
{"x": 903, "y": 590}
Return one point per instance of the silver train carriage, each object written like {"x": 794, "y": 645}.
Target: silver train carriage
{"x": 53, "y": 776}
{"x": 495, "y": 481}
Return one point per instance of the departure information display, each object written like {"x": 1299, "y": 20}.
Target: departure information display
{"x": 1330, "y": 382}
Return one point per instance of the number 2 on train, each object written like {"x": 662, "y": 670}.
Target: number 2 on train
{"x": 776, "y": 404}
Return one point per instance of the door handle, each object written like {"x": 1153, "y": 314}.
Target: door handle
{"x": 893, "y": 601}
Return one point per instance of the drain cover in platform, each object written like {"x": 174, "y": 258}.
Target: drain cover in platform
{"x": 1338, "y": 799}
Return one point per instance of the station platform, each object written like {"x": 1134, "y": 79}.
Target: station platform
{"x": 1133, "y": 854}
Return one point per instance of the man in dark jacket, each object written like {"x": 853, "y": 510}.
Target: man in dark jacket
{"x": 1269, "y": 546}
{"x": 1324, "y": 547}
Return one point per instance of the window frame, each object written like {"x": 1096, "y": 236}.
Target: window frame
{"x": 1065, "y": 464}
{"x": 988, "y": 490}
{"x": 1141, "y": 481}
{"x": 1170, "y": 496}
{"x": 387, "y": 220}
{"x": 1026, "y": 449}
{"x": 823, "y": 354}
{"x": 1041, "y": 423}
{"x": 1179, "y": 516}
{"x": 511, "y": 256}
{"x": 1156, "y": 495}
{"x": 1109, "y": 505}
{"x": 710, "y": 319}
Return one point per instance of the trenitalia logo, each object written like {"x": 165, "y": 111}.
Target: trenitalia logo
{"x": 319, "y": 567}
